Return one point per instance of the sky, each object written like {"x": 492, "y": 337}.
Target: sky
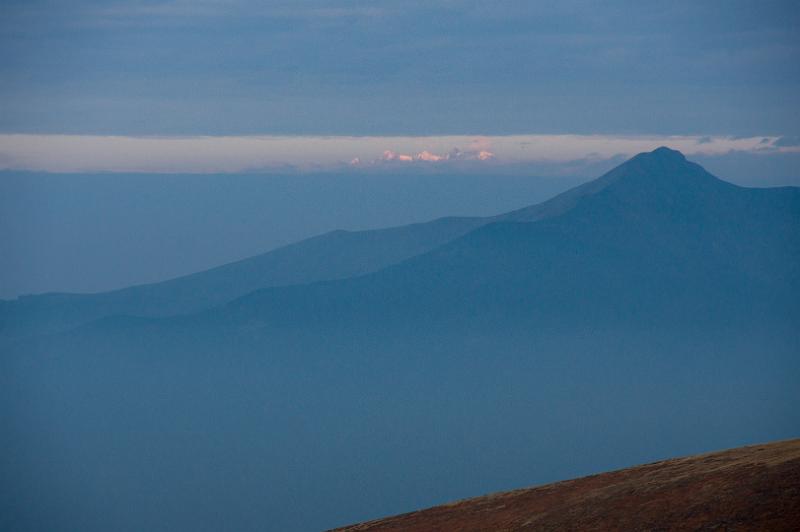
{"x": 229, "y": 154}
{"x": 141, "y": 140}
{"x": 303, "y": 69}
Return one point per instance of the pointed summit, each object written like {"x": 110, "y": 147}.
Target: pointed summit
{"x": 660, "y": 160}
{"x": 660, "y": 173}
{"x": 664, "y": 153}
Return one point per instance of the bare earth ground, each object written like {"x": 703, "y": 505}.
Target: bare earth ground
{"x": 749, "y": 488}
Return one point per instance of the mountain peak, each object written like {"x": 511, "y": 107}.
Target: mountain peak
{"x": 661, "y": 164}
{"x": 662, "y": 158}
{"x": 664, "y": 152}
{"x": 661, "y": 172}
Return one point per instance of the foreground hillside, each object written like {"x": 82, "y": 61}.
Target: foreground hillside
{"x": 749, "y": 488}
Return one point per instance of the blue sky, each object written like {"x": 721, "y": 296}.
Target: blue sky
{"x": 237, "y": 67}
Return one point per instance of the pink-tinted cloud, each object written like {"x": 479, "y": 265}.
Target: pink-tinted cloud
{"x": 427, "y": 156}
{"x": 389, "y": 155}
{"x": 92, "y": 153}
{"x": 431, "y": 157}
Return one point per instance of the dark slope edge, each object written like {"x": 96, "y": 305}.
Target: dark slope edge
{"x": 749, "y": 488}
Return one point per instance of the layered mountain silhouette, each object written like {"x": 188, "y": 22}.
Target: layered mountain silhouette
{"x": 646, "y": 314}
{"x": 656, "y": 238}
{"x": 334, "y": 255}
{"x": 657, "y": 210}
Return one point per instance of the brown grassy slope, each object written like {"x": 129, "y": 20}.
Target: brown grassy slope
{"x": 749, "y": 488}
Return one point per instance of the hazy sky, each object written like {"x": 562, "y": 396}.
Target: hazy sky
{"x": 208, "y": 154}
{"x": 399, "y": 67}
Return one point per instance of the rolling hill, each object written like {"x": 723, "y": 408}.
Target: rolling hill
{"x": 749, "y": 488}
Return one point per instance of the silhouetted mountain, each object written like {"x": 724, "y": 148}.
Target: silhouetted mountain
{"x": 650, "y": 313}
{"x": 657, "y": 238}
{"x": 647, "y": 185}
{"x": 334, "y": 255}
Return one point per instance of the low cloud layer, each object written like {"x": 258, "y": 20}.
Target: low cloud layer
{"x": 456, "y": 154}
{"x": 231, "y": 154}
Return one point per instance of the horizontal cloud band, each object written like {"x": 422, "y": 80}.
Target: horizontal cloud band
{"x": 229, "y": 154}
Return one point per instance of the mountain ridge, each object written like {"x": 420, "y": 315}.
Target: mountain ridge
{"x": 625, "y": 211}
{"x": 658, "y": 183}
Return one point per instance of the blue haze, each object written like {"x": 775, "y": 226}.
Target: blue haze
{"x": 95, "y": 232}
{"x": 646, "y": 314}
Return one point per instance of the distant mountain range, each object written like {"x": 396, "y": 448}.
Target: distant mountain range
{"x": 649, "y": 313}
{"x": 656, "y": 238}
{"x": 656, "y": 207}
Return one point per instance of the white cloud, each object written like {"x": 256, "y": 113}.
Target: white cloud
{"x": 87, "y": 153}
